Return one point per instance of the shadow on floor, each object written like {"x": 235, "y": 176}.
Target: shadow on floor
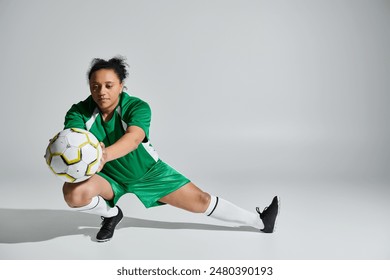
{"x": 34, "y": 225}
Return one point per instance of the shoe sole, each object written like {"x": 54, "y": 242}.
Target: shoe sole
{"x": 108, "y": 239}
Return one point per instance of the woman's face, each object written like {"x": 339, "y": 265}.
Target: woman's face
{"x": 105, "y": 89}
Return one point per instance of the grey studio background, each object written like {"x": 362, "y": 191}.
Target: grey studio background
{"x": 249, "y": 98}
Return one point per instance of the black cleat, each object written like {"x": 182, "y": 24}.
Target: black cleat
{"x": 269, "y": 214}
{"x": 108, "y": 226}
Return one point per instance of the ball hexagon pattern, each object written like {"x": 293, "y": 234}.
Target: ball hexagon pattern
{"x": 73, "y": 155}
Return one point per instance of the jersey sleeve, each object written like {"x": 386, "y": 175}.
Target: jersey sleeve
{"x": 138, "y": 114}
{"x": 74, "y": 118}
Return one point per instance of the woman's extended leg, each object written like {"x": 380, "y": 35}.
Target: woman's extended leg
{"x": 191, "y": 198}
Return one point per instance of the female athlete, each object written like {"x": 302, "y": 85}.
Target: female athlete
{"x": 131, "y": 165}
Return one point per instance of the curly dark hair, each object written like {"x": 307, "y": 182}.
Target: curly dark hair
{"x": 116, "y": 63}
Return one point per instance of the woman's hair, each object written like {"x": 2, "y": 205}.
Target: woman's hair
{"x": 116, "y": 63}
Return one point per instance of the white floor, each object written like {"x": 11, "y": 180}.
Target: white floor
{"x": 317, "y": 221}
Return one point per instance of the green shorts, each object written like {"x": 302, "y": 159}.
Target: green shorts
{"x": 158, "y": 182}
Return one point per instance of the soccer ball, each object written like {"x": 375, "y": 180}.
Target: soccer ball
{"x": 73, "y": 155}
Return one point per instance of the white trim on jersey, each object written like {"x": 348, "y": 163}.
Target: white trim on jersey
{"x": 119, "y": 111}
{"x": 92, "y": 120}
{"x": 151, "y": 151}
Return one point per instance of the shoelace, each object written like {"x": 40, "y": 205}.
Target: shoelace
{"x": 261, "y": 213}
{"x": 258, "y": 210}
{"x": 106, "y": 224}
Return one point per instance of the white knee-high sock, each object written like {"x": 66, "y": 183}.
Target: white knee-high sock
{"x": 226, "y": 211}
{"x": 99, "y": 206}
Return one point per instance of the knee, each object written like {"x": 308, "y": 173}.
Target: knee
{"x": 75, "y": 196}
{"x": 204, "y": 201}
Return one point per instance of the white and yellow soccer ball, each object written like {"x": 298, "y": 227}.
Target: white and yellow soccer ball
{"x": 73, "y": 155}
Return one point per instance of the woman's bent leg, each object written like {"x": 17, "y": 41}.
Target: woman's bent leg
{"x": 90, "y": 196}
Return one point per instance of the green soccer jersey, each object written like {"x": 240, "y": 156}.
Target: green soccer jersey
{"x": 130, "y": 111}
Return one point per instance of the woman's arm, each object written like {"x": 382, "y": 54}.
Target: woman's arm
{"x": 133, "y": 136}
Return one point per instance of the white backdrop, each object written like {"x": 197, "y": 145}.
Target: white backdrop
{"x": 286, "y": 89}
